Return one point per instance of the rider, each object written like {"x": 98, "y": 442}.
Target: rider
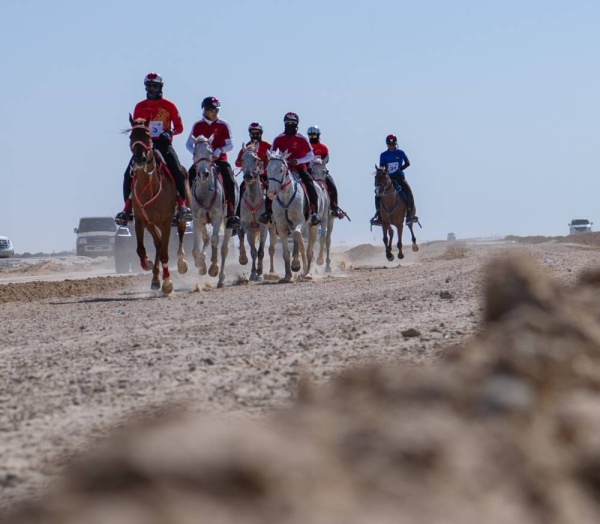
{"x": 212, "y": 125}
{"x": 164, "y": 123}
{"x": 301, "y": 152}
{"x": 255, "y": 130}
{"x": 321, "y": 150}
{"x": 396, "y": 161}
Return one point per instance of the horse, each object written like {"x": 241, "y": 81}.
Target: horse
{"x": 208, "y": 207}
{"x": 154, "y": 202}
{"x": 290, "y": 212}
{"x": 253, "y": 206}
{"x": 319, "y": 173}
{"x": 392, "y": 210}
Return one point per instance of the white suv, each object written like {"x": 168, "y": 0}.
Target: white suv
{"x": 580, "y": 225}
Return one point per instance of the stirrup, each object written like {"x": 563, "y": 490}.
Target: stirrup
{"x": 233, "y": 223}
{"x": 123, "y": 218}
{"x": 265, "y": 218}
{"x": 185, "y": 214}
{"x": 376, "y": 221}
{"x": 414, "y": 219}
{"x": 315, "y": 219}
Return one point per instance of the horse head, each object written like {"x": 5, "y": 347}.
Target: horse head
{"x": 319, "y": 169}
{"x": 140, "y": 142}
{"x": 278, "y": 173}
{"x": 251, "y": 164}
{"x": 382, "y": 180}
{"x": 203, "y": 157}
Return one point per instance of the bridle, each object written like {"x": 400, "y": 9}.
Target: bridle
{"x": 387, "y": 188}
{"x": 286, "y": 174}
{"x": 147, "y": 145}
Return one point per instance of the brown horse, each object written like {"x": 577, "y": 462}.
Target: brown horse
{"x": 392, "y": 210}
{"x": 154, "y": 202}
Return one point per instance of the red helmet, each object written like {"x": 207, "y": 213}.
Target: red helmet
{"x": 291, "y": 118}
{"x": 391, "y": 140}
{"x": 255, "y": 126}
{"x": 153, "y": 77}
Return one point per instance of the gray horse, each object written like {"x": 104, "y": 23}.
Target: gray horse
{"x": 208, "y": 207}
{"x": 319, "y": 173}
{"x": 290, "y": 212}
{"x": 251, "y": 208}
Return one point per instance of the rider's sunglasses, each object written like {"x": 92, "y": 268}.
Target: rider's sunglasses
{"x": 213, "y": 109}
{"x": 313, "y": 135}
{"x": 255, "y": 135}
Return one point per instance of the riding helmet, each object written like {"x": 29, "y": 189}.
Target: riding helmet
{"x": 153, "y": 78}
{"x": 210, "y": 102}
{"x": 255, "y": 126}
{"x": 391, "y": 140}
{"x": 314, "y": 130}
{"x": 291, "y": 118}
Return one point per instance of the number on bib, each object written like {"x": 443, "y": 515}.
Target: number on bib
{"x": 156, "y": 128}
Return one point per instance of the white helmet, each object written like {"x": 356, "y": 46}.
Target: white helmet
{"x": 314, "y": 130}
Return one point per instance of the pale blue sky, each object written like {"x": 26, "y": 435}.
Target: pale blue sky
{"x": 494, "y": 102}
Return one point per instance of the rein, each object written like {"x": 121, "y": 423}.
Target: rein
{"x": 389, "y": 189}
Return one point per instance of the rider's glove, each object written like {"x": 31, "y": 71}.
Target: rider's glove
{"x": 164, "y": 138}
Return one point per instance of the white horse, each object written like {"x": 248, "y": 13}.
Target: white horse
{"x": 319, "y": 173}
{"x": 290, "y": 212}
{"x": 251, "y": 208}
{"x": 208, "y": 207}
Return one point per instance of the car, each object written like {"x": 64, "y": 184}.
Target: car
{"x": 6, "y": 248}
{"x": 125, "y": 243}
{"x": 451, "y": 237}
{"x": 95, "y": 237}
{"x": 580, "y": 225}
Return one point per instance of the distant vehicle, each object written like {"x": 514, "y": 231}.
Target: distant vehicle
{"x": 6, "y": 248}
{"x": 126, "y": 244}
{"x": 580, "y": 225}
{"x": 95, "y": 237}
{"x": 451, "y": 236}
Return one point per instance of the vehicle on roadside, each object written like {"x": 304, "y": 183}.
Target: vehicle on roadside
{"x": 95, "y": 237}
{"x": 126, "y": 258}
{"x": 451, "y": 237}
{"x": 6, "y": 248}
{"x": 580, "y": 225}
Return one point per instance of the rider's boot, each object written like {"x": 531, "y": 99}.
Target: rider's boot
{"x": 184, "y": 213}
{"x": 376, "y": 220}
{"x": 315, "y": 218}
{"x": 411, "y": 218}
{"x": 266, "y": 217}
{"x": 125, "y": 216}
{"x": 233, "y": 221}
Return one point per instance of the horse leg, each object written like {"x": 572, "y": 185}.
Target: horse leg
{"x": 162, "y": 252}
{"x": 182, "y": 265}
{"x": 330, "y": 223}
{"x": 272, "y": 242}
{"x": 297, "y": 236}
{"x": 310, "y": 251}
{"x": 387, "y": 241}
{"x": 399, "y": 245}
{"x": 252, "y": 238}
{"x": 262, "y": 238}
{"x": 224, "y": 251}
{"x": 415, "y": 247}
{"x": 213, "y": 270}
{"x": 320, "y": 258}
{"x": 156, "y": 235}
{"x": 283, "y": 236}
{"x": 243, "y": 259}
{"x": 141, "y": 250}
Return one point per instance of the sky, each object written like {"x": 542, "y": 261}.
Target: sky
{"x": 494, "y": 102}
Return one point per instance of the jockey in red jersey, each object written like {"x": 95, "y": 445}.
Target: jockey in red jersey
{"x": 301, "y": 153}
{"x": 212, "y": 125}
{"x": 164, "y": 123}
{"x": 255, "y": 130}
{"x": 321, "y": 150}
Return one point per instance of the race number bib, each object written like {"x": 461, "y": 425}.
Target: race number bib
{"x": 156, "y": 128}
{"x": 393, "y": 167}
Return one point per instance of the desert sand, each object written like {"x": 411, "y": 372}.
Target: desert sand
{"x": 457, "y": 385}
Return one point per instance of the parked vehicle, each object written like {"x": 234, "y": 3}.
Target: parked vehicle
{"x": 451, "y": 237}
{"x": 95, "y": 236}
{"x": 126, "y": 258}
{"x": 580, "y": 225}
{"x": 6, "y": 248}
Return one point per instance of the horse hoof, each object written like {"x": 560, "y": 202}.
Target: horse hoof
{"x": 202, "y": 270}
{"x": 243, "y": 260}
{"x": 320, "y": 261}
{"x": 182, "y": 267}
{"x": 285, "y": 280}
{"x": 155, "y": 285}
{"x": 308, "y": 277}
{"x": 220, "y": 285}
{"x": 390, "y": 257}
{"x": 296, "y": 266}
{"x": 149, "y": 266}
{"x": 167, "y": 287}
{"x": 213, "y": 271}
{"x": 328, "y": 269}
{"x": 400, "y": 256}
{"x": 415, "y": 247}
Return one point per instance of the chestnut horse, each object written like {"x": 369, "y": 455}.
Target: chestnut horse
{"x": 154, "y": 201}
{"x": 392, "y": 210}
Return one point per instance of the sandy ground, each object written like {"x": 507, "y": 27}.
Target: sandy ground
{"x": 83, "y": 355}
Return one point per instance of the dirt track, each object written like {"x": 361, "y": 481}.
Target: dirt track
{"x": 84, "y": 356}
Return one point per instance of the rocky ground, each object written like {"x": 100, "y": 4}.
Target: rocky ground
{"x": 458, "y": 385}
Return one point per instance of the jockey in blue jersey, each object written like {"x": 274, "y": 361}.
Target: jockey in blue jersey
{"x": 396, "y": 161}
